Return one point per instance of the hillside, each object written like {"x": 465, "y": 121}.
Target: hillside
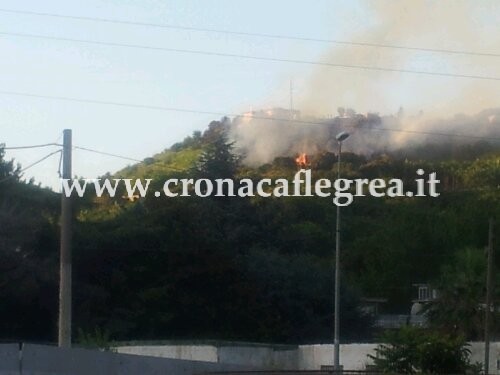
{"x": 261, "y": 269}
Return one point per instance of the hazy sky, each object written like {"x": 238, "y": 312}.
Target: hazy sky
{"x": 221, "y": 84}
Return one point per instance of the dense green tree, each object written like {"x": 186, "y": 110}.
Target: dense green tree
{"x": 8, "y": 170}
{"x": 459, "y": 308}
{"x": 218, "y": 160}
{"x": 412, "y": 350}
{"x": 240, "y": 268}
{"x": 27, "y": 256}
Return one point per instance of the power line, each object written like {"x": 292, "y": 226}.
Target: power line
{"x": 59, "y": 167}
{"x": 421, "y": 132}
{"x": 75, "y": 147}
{"x": 121, "y": 157}
{"x": 59, "y": 137}
{"x": 131, "y": 105}
{"x": 32, "y": 146}
{"x": 39, "y": 161}
{"x": 31, "y": 165}
{"x": 224, "y": 114}
{"x": 260, "y": 35}
{"x": 250, "y": 57}
{"x": 106, "y": 153}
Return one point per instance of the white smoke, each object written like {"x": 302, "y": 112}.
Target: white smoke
{"x": 431, "y": 104}
{"x": 262, "y": 137}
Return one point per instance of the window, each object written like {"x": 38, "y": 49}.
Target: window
{"x": 423, "y": 293}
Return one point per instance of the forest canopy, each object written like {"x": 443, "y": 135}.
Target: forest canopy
{"x": 243, "y": 268}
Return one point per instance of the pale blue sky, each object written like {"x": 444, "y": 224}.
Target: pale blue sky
{"x": 157, "y": 78}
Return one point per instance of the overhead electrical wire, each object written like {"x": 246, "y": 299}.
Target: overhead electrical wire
{"x": 121, "y": 157}
{"x": 251, "y": 34}
{"x": 222, "y": 114}
{"x": 39, "y": 161}
{"x": 31, "y": 165}
{"x": 106, "y": 153}
{"x": 31, "y": 146}
{"x": 250, "y": 57}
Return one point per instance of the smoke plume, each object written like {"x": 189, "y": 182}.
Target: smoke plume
{"x": 410, "y": 104}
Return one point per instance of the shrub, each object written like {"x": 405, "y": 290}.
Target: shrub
{"x": 413, "y": 350}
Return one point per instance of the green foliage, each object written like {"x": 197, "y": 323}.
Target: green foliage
{"x": 96, "y": 339}
{"x": 400, "y": 352}
{"x": 461, "y": 288}
{"x": 413, "y": 350}
{"x": 483, "y": 173}
{"x": 193, "y": 141}
{"x": 8, "y": 171}
{"x": 233, "y": 268}
{"x": 218, "y": 159}
{"x": 261, "y": 269}
{"x": 28, "y": 257}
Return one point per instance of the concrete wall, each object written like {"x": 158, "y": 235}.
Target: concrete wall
{"x": 207, "y": 353}
{"x": 259, "y": 356}
{"x": 51, "y": 360}
{"x": 477, "y": 354}
{"x": 352, "y": 356}
{"x": 191, "y": 359}
{"x": 304, "y": 357}
{"x": 286, "y": 359}
{"x": 9, "y": 359}
{"x": 253, "y": 355}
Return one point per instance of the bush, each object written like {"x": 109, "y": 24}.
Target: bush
{"x": 98, "y": 339}
{"x": 413, "y": 350}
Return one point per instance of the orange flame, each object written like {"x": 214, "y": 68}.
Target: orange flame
{"x": 302, "y": 160}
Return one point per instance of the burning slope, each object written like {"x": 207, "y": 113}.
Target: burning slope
{"x": 302, "y": 160}
{"x": 433, "y": 28}
{"x": 261, "y": 137}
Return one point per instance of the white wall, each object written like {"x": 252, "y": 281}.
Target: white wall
{"x": 304, "y": 357}
{"x": 259, "y": 356}
{"x": 352, "y": 356}
{"x": 207, "y": 353}
{"x": 477, "y": 354}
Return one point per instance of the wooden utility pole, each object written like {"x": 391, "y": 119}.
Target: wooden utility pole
{"x": 64, "y": 334}
{"x": 489, "y": 291}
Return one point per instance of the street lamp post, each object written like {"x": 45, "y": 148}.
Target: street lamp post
{"x": 336, "y": 342}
